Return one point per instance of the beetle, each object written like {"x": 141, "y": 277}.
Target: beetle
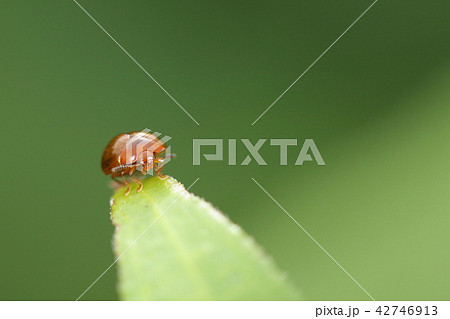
{"x": 131, "y": 152}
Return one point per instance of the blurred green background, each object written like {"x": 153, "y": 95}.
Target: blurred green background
{"x": 377, "y": 105}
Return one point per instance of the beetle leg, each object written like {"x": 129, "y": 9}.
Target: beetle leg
{"x": 128, "y": 186}
{"x": 149, "y": 166}
{"x": 158, "y": 168}
{"x": 143, "y": 168}
{"x": 146, "y": 161}
{"x": 116, "y": 180}
{"x": 132, "y": 170}
{"x": 137, "y": 181}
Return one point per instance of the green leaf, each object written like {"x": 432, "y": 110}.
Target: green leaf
{"x": 182, "y": 248}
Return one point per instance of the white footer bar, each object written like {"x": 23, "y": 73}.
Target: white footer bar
{"x": 226, "y": 309}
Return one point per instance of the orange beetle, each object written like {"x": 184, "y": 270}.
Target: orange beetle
{"x": 127, "y": 153}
